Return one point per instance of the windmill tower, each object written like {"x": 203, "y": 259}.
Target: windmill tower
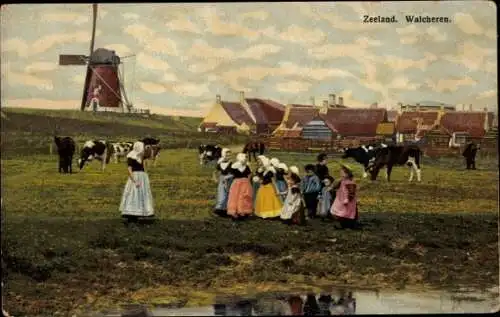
{"x": 103, "y": 87}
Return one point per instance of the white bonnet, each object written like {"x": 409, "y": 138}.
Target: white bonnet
{"x": 294, "y": 169}
{"x": 274, "y": 162}
{"x": 283, "y": 167}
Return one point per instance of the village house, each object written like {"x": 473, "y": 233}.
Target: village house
{"x": 247, "y": 116}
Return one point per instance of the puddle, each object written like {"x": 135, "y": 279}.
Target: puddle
{"x": 339, "y": 303}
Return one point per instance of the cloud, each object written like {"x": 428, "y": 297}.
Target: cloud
{"x": 367, "y": 42}
{"x": 412, "y": 34}
{"x": 24, "y": 79}
{"x": 465, "y": 22}
{"x": 46, "y": 42}
{"x": 151, "y": 40}
{"x": 130, "y": 16}
{"x": 79, "y": 80}
{"x": 120, "y": 49}
{"x": 204, "y": 66}
{"x": 491, "y": 33}
{"x": 487, "y": 94}
{"x": 152, "y": 88}
{"x": 401, "y": 64}
{"x": 40, "y": 67}
{"x": 42, "y": 103}
{"x": 169, "y": 77}
{"x": 65, "y": 16}
{"x": 402, "y": 83}
{"x": 151, "y": 62}
{"x": 183, "y": 24}
{"x": 449, "y": 85}
{"x": 471, "y": 56}
{"x": 16, "y": 45}
{"x": 201, "y": 49}
{"x": 297, "y": 34}
{"x": 259, "y": 51}
{"x": 256, "y": 15}
{"x": 293, "y": 87}
{"x": 190, "y": 89}
{"x": 221, "y": 28}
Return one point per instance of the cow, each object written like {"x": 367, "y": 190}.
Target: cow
{"x": 252, "y": 148}
{"x": 121, "y": 149}
{"x": 96, "y": 149}
{"x": 66, "y": 149}
{"x": 151, "y": 149}
{"x": 209, "y": 153}
{"x": 362, "y": 154}
{"x": 469, "y": 153}
{"x": 392, "y": 155}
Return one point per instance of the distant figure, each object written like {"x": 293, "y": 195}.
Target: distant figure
{"x": 137, "y": 199}
{"x": 469, "y": 153}
{"x": 95, "y": 98}
{"x": 252, "y": 148}
{"x": 66, "y": 149}
{"x": 321, "y": 167}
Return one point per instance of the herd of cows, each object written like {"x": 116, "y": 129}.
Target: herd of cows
{"x": 372, "y": 157}
{"x": 100, "y": 150}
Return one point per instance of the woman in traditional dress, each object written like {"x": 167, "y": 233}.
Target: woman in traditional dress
{"x": 267, "y": 202}
{"x": 137, "y": 199}
{"x": 293, "y": 201}
{"x": 344, "y": 208}
{"x": 257, "y": 179}
{"x": 239, "y": 205}
{"x": 224, "y": 180}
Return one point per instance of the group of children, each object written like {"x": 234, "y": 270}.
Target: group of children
{"x": 276, "y": 191}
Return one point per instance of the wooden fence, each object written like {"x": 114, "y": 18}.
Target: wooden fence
{"x": 435, "y": 146}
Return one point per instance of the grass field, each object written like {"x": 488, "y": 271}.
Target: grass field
{"x": 66, "y": 250}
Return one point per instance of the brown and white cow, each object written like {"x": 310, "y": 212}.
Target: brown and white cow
{"x": 409, "y": 155}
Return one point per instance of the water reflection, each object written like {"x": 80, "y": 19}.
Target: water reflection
{"x": 294, "y": 305}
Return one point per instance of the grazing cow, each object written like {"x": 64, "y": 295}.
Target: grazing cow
{"x": 121, "y": 149}
{"x": 469, "y": 153}
{"x": 209, "y": 153}
{"x": 151, "y": 149}
{"x": 409, "y": 155}
{"x": 96, "y": 149}
{"x": 362, "y": 154}
{"x": 254, "y": 148}
{"x": 66, "y": 149}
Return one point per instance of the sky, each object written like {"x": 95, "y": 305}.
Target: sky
{"x": 186, "y": 54}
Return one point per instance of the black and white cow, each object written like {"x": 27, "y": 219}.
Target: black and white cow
{"x": 66, "y": 149}
{"x": 470, "y": 153}
{"x": 409, "y": 155}
{"x": 362, "y": 154}
{"x": 209, "y": 153}
{"x": 96, "y": 149}
{"x": 151, "y": 149}
{"x": 121, "y": 149}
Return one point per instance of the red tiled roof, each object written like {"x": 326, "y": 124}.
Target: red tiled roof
{"x": 236, "y": 111}
{"x": 354, "y": 122}
{"x": 471, "y": 122}
{"x": 209, "y": 124}
{"x": 407, "y": 121}
{"x": 301, "y": 114}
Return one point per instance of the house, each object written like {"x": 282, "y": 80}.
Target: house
{"x": 249, "y": 115}
{"x": 409, "y": 123}
{"x": 475, "y": 123}
{"x": 295, "y": 117}
{"x": 392, "y": 115}
{"x": 227, "y": 116}
{"x": 344, "y": 122}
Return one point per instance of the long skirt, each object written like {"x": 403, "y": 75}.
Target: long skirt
{"x": 283, "y": 188}
{"x": 268, "y": 203}
{"x": 137, "y": 201}
{"x": 255, "y": 187}
{"x": 223, "y": 192}
{"x": 240, "y": 198}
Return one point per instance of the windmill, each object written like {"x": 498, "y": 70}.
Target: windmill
{"x": 103, "y": 84}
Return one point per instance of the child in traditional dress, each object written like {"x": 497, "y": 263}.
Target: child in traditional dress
{"x": 267, "y": 202}
{"x": 293, "y": 202}
{"x": 224, "y": 180}
{"x": 281, "y": 182}
{"x": 322, "y": 168}
{"x": 311, "y": 187}
{"x": 239, "y": 205}
{"x": 344, "y": 208}
{"x": 257, "y": 178}
{"x": 326, "y": 198}
{"x": 137, "y": 199}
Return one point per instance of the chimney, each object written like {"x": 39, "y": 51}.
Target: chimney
{"x": 324, "y": 108}
{"x": 242, "y": 97}
{"x": 312, "y": 101}
{"x": 341, "y": 101}
{"x": 463, "y": 107}
{"x": 332, "y": 100}
{"x": 218, "y": 99}
{"x": 470, "y": 107}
